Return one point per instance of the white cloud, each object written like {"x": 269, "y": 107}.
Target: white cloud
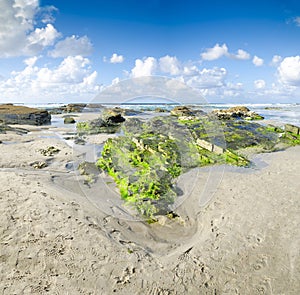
{"x": 31, "y": 61}
{"x": 17, "y": 33}
{"x": 73, "y": 45}
{"x": 215, "y": 53}
{"x": 46, "y": 14}
{"x": 289, "y": 71}
{"x": 116, "y": 59}
{"x": 71, "y": 79}
{"x": 276, "y": 60}
{"x": 259, "y": 84}
{"x": 297, "y": 21}
{"x": 257, "y": 61}
{"x": 208, "y": 78}
{"x": 40, "y": 39}
{"x": 190, "y": 70}
{"x": 170, "y": 65}
{"x": 241, "y": 55}
{"x": 146, "y": 67}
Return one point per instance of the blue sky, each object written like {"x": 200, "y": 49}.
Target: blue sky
{"x": 237, "y": 52}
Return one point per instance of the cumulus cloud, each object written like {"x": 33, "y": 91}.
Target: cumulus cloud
{"x": 18, "y": 36}
{"x": 289, "y": 71}
{"x": 218, "y": 51}
{"x": 259, "y": 84}
{"x": 73, "y": 45}
{"x": 276, "y": 60}
{"x": 257, "y": 61}
{"x": 241, "y": 55}
{"x": 40, "y": 39}
{"x": 72, "y": 78}
{"x": 116, "y": 59}
{"x": 215, "y": 52}
{"x": 208, "y": 78}
{"x": 146, "y": 67}
{"x": 170, "y": 65}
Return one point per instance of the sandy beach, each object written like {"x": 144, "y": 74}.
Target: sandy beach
{"x": 56, "y": 240}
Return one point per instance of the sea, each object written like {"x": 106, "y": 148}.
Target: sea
{"x": 280, "y": 113}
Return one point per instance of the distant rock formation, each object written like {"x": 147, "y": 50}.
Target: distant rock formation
{"x": 181, "y": 111}
{"x": 11, "y": 114}
{"x": 237, "y": 112}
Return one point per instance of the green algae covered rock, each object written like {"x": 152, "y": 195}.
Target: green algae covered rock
{"x": 147, "y": 160}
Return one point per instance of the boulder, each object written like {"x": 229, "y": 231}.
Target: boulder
{"x": 11, "y": 114}
{"x": 237, "y": 112}
{"x": 69, "y": 120}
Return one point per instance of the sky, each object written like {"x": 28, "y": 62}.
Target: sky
{"x": 230, "y": 51}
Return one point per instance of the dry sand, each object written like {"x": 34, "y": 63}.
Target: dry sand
{"x": 54, "y": 238}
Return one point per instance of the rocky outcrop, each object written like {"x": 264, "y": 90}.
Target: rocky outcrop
{"x": 120, "y": 111}
{"x": 69, "y": 108}
{"x": 182, "y": 111}
{"x": 11, "y": 114}
{"x": 108, "y": 123}
{"x": 241, "y": 112}
{"x": 74, "y": 107}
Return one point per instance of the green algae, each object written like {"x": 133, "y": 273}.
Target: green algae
{"x": 147, "y": 159}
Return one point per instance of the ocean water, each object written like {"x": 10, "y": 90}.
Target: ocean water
{"x": 279, "y": 112}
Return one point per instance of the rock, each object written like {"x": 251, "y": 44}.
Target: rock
{"x": 69, "y": 120}
{"x": 0, "y": 141}
{"x": 108, "y": 123}
{"x": 292, "y": 129}
{"x": 237, "y": 112}
{"x": 182, "y": 111}
{"x": 88, "y": 168}
{"x": 119, "y": 111}
{"x": 50, "y": 151}
{"x": 210, "y": 147}
{"x": 20, "y": 131}
{"x": 160, "y": 110}
{"x": 79, "y": 141}
{"x": 74, "y": 107}
{"x": 39, "y": 165}
{"x": 11, "y": 114}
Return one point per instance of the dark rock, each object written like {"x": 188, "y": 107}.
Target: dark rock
{"x": 20, "y": 131}
{"x": 69, "y": 120}
{"x": 160, "y": 110}
{"x": 79, "y": 141}
{"x": 11, "y": 114}
{"x": 110, "y": 122}
{"x": 237, "y": 112}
